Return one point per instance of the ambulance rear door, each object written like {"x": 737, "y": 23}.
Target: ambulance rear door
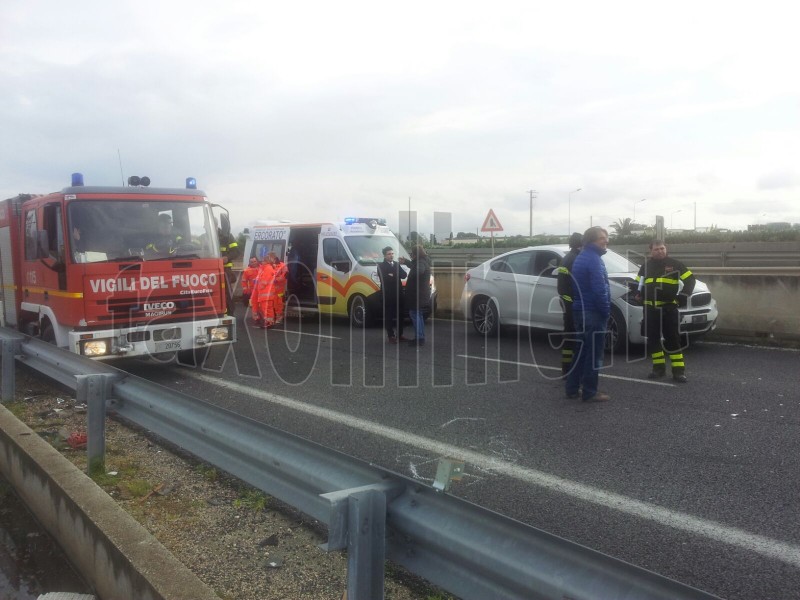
{"x": 269, "y": 239}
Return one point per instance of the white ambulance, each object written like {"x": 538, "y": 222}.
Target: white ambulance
{"x": 332, "y": 266}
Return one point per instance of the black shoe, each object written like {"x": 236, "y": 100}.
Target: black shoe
{"x": 656, "y": 374}
{"x": 573, "y": 395}
{"x": 598, "y": 397}
{"x": 679, "y": 377}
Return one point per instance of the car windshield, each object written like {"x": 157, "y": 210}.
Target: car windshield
{"x": 115, "y": 230}
{"x": 616, "y": 263}
{"x": 368, "y": 249}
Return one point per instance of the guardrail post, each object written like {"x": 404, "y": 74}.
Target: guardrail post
{"x": 366, "y": 545}
{"x": 10, "y": 351}
{"x": 91, "y": 391}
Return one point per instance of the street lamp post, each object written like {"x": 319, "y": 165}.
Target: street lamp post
{"x": 672, "y": 215}
{"x": 569, "y": 211}
{"x": 634, "y": 209}
{"x": 532, "y": 194}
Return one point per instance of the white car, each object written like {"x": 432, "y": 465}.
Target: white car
{"x": 519, "y": 288}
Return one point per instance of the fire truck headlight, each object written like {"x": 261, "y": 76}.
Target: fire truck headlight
{"x": 219, "y": 334}
{"x": 95, "y": 348}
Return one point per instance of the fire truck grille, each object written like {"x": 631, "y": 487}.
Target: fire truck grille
{"x": 165, "y": 307}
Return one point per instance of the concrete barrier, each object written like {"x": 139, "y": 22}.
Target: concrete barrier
{"x": 114, "y": 553}
{"x": 756, "y": 303}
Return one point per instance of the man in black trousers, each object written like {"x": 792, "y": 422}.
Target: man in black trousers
{"x": 391, "y": 274}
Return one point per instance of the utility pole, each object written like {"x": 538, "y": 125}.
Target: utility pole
{"x": 532, "y": 194}
{"x": 408, "y": 236}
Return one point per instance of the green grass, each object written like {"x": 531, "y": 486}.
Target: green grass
{"x": 137, "y": 487}
{"x": 252, "y": 499}
{"x": 16, "y": 408}
{"x": 207, "y": 472}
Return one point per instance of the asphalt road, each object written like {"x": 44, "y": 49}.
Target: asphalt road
{"x": 698, "y": 482}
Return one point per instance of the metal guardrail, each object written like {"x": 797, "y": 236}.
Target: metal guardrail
{"x": 375, "y": 514}
{"x": 694, "y": 255}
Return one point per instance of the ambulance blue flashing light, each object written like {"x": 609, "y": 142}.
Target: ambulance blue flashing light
{"x": 191, "y": 183}
{"x": 77, "y": 180}
{"x": 373, "y": 223}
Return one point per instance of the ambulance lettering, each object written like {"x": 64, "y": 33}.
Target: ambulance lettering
{"x": 270, "y": 234}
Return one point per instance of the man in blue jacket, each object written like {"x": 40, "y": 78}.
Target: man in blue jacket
{"x": 591, "y": 308}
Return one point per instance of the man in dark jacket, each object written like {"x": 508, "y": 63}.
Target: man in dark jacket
{"x": 565, "y": 292}
{"x": 591, "y": 309}
{"x": 391, "y": 273}
{"x": 418, "y": 291}
{"x": 229, "y": 249}
{"x": 661, "y": 278}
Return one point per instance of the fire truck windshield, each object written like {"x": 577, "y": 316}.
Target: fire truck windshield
{"x": 116, "y": 230}
{"x": 368, "y": 249}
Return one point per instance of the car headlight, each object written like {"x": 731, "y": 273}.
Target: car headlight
{"x": 219, "y": 334}
{"x": 95, "y": 348}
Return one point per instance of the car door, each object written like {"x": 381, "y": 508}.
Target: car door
{"x": 545, "y": 308}
{"x": 511, "y": 285}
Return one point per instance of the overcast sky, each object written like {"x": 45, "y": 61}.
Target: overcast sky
{"x": 322, "y": 110}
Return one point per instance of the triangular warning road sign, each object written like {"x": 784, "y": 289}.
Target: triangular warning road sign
{"x": 492, "y": 223}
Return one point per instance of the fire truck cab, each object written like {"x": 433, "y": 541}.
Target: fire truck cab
{"x": 114, "y": 271}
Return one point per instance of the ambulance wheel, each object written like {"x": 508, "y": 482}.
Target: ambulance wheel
{"x": 48, "y": 334}
{"x": 360, "y": 315}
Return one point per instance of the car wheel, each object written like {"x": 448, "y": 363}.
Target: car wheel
{"x": 360, "y": 316}
{"x": 616, "y": 332}
{"x": 485, "y": 317}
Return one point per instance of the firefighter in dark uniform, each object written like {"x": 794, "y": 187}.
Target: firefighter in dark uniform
{"x": 660, "y": 279}
{"x": 565, "y": 292}
{"x": 229, "y": 249}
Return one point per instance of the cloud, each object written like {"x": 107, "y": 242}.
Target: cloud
{"x": 779, "y": 180}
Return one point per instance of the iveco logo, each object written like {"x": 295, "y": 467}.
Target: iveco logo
{"x": 159, "y": 306}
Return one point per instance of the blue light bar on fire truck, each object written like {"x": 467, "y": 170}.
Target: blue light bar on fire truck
{"x": 191, "y": 183}
{"x": 77, "y": 179}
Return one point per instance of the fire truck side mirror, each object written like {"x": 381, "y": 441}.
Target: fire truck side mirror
{"x": 225, "y": 224}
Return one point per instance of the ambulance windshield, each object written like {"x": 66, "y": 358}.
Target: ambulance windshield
{"x": 117, "y": 230}
{"x": 368, "y": 249}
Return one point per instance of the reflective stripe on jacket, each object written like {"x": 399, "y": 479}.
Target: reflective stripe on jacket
{"x": 663, "y": 279}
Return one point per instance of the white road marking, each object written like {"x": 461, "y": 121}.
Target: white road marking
{"x": 522, "y": 364}
{"x": 319, "y": 335}
{"x": 758, "y": 544}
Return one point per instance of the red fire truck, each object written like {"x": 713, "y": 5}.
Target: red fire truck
{"x": 114, "y": 271}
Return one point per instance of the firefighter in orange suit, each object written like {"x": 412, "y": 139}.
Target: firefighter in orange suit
{"x": 249, "y": 276}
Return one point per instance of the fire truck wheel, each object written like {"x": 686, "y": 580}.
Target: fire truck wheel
{"x": 48, "y": 334}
